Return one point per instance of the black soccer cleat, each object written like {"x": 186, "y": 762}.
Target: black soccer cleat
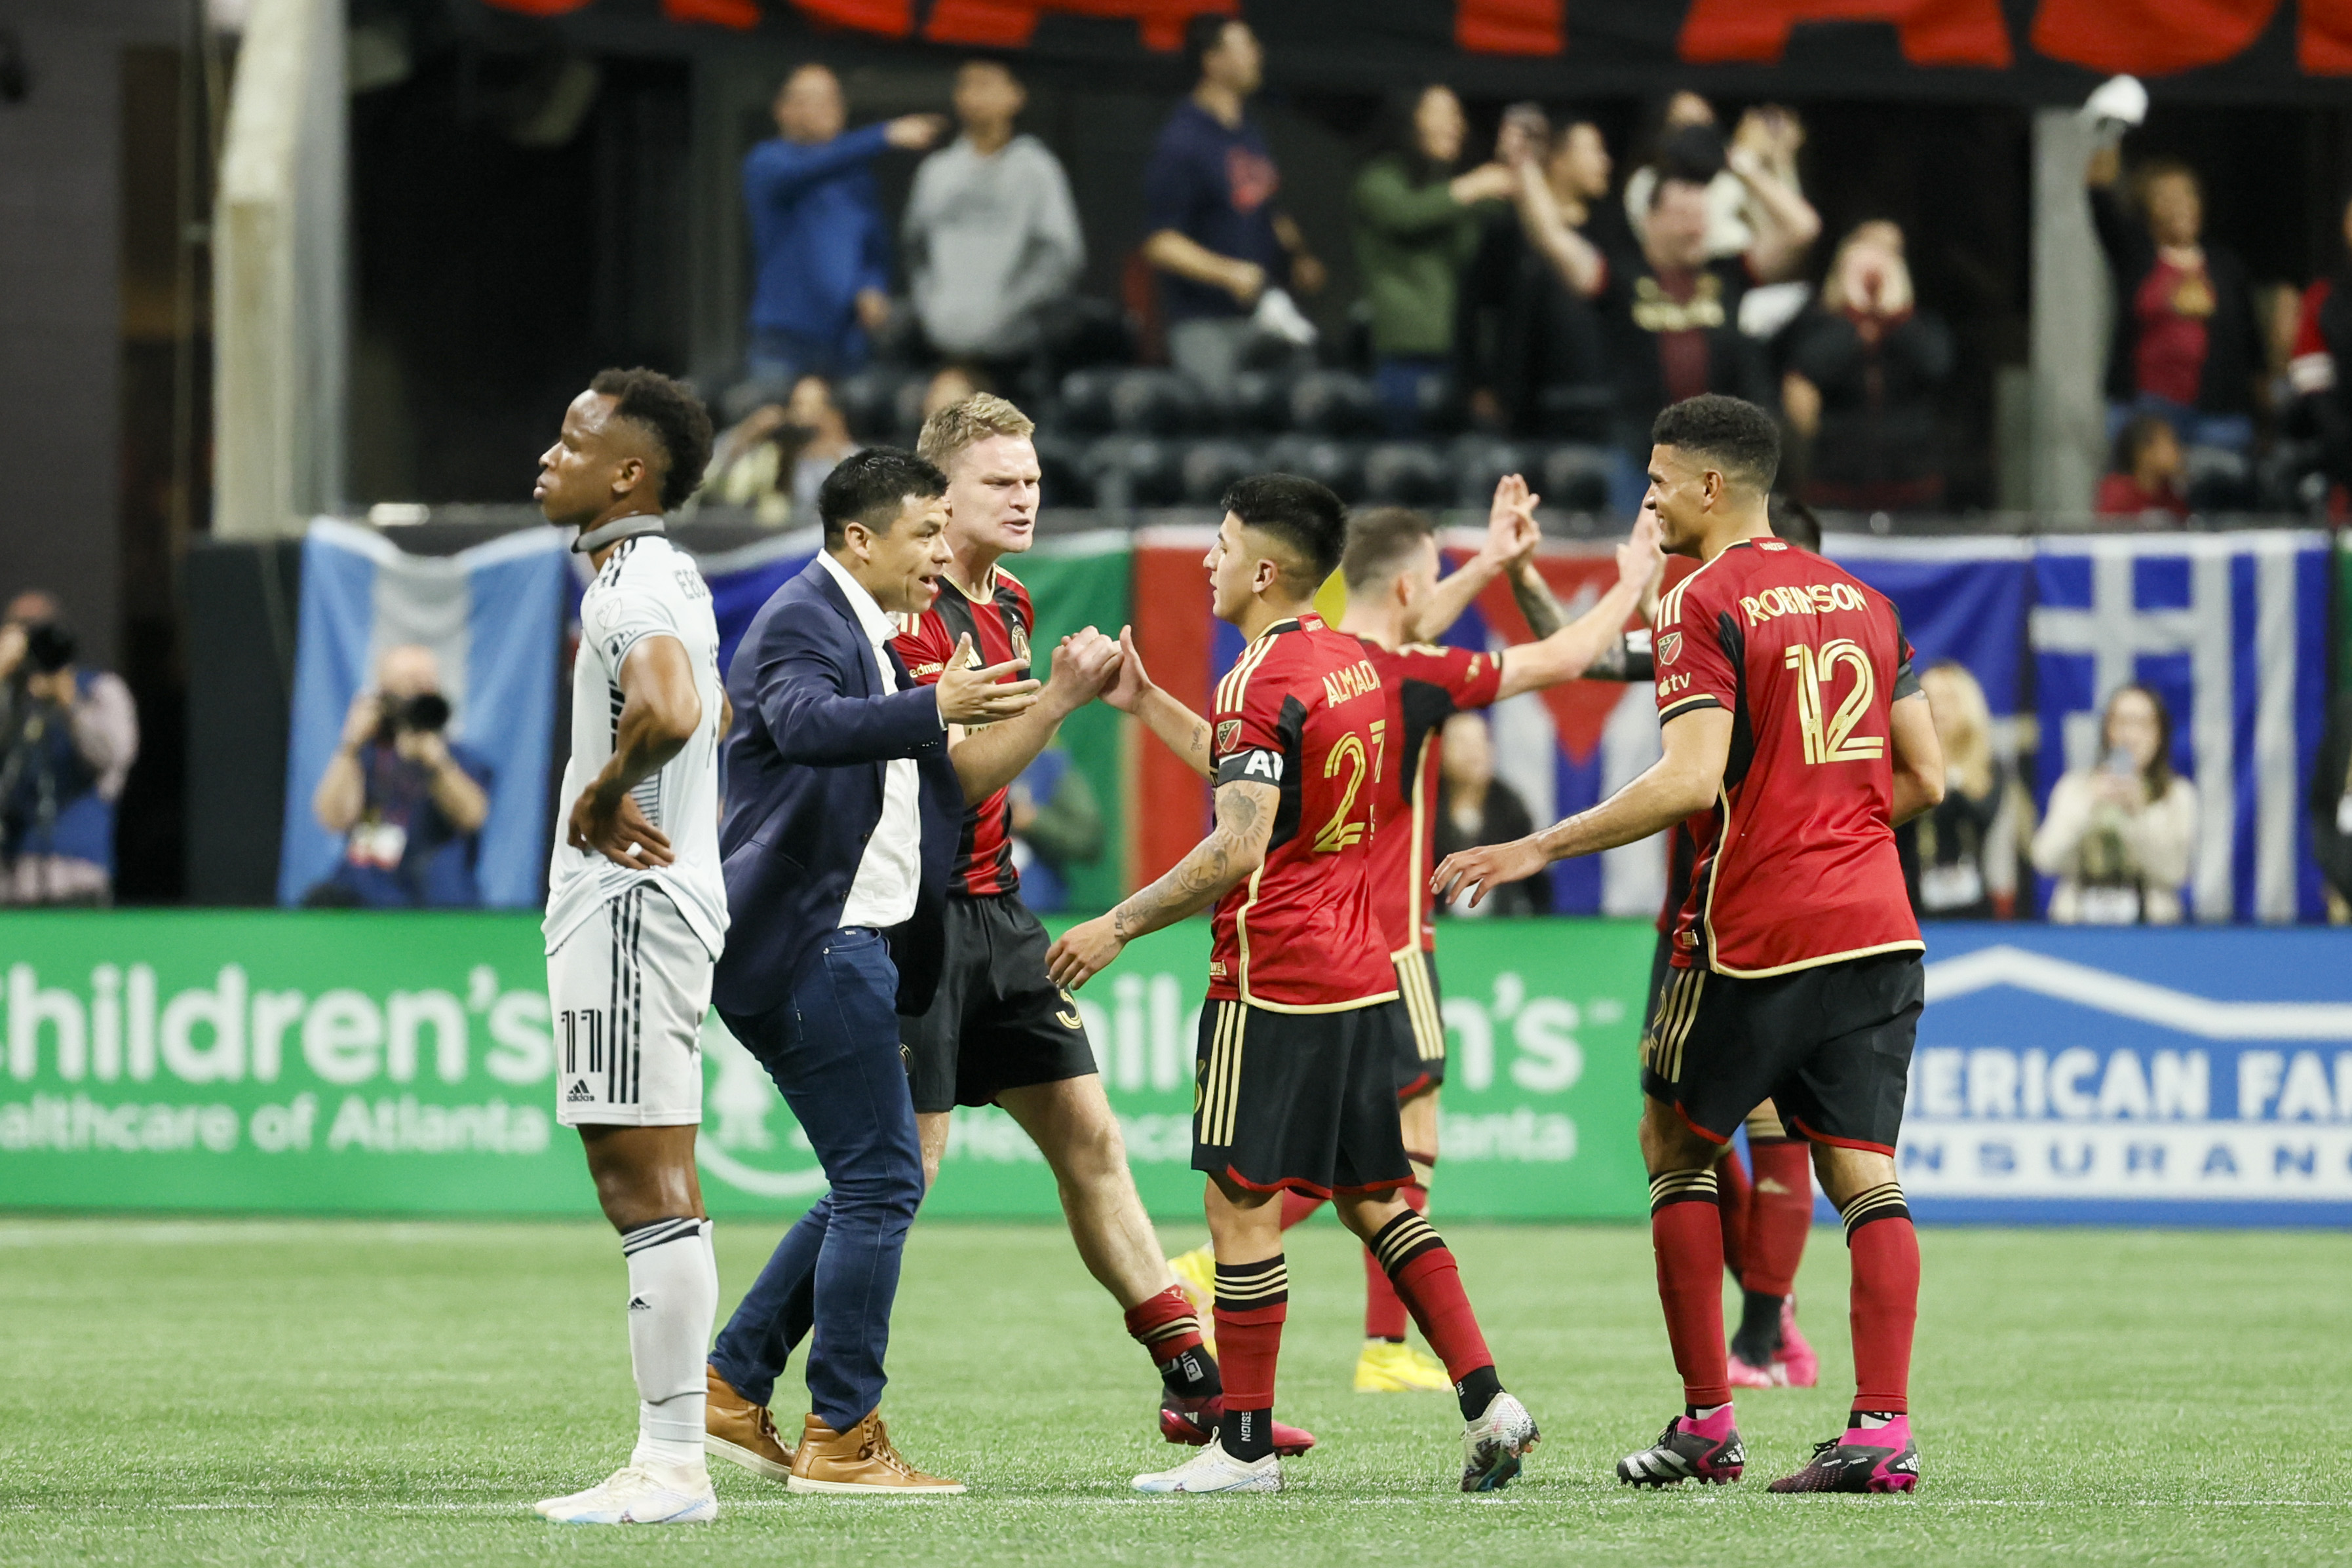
{"x": 1687, "y": 1451}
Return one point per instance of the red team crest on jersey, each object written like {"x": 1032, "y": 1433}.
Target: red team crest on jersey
{"x": 1669, "y": 646}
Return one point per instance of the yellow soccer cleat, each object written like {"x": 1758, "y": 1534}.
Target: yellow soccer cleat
{"x": 1387, "y": 1367}
{"x": 1196, "y": 1275}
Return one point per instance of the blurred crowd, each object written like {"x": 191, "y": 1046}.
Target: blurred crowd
{"x": 1526, "y": 302}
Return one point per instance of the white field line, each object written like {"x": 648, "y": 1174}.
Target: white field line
{"x": 1522, "y": 1501}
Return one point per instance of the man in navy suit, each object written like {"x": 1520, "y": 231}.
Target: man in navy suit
{"x": 843, "y": 815}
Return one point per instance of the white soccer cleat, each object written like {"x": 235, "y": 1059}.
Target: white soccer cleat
{"x": 1493, "y": 1445}
{"x": 639, "y": 1494}
{"x": 1214, "y": 1470}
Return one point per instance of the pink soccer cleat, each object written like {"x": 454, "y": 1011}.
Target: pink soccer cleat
{"x": 1798, "y": 1361}
{"x": 1746, "y": 1374}
{"x": 1688, "y": 1450}
{"x": 1865, "y": 1459}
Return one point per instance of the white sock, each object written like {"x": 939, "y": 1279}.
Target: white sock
{"x": 673, "y": 1298}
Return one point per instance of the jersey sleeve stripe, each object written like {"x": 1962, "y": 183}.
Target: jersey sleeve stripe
{"x": 1689, "y": 704}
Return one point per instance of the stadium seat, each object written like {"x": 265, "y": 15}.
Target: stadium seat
{"x": 1442, "y": 407}
{"x": 1151, "y": 402}
{"x": 1260, "y": 405}
{"x": 1317, "y": 457}
{"x": 1210, "y": 468}
{"x": 1478, "y": 463}
{"x": 1574, "y": 478}
{"x": 2218, "y": 480}
{"x": 869, "y": 400}
{"x": 1085, "y": 401}
{"x": 1333, "y": 403}
{"x": 1407, "y": 474}
{"x": 1134, "y": 471}
{"x": 1063, "y": 477}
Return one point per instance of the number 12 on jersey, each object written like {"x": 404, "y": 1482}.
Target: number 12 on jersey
{"x": 1835, "y": 741}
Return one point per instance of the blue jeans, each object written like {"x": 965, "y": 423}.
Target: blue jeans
{"x": 780, "y": 357}
{"x": 833, "y": 1048}
{"x": 1399, "y": 379}
{"x": 2230, "y": 432}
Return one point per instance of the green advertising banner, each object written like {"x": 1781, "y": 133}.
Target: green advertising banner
{"x": 388, "y": 1063}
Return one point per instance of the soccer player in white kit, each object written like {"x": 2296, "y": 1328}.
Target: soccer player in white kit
{"x": 637, "y": 913}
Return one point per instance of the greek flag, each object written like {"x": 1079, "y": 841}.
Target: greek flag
{"x": 493, "y": 617}
{"x": 2231, "y": 630}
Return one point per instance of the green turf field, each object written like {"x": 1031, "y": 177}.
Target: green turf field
{"x": 348, "y": 1393}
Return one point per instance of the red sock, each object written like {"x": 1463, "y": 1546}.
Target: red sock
{"x": 1426, "y": 1278}
{"x": 1166, "y": 1328}
{"x": 1886, "y": 1262}
{"x": 1686, "y": 1230}
{"x": 1384, "y": 1311}
{"x": 1733, "y": 1197}
{"x": 1252, "y": 1299}
{"x": 1297, "y": 1206}
{"x": 1780, "y": 1215}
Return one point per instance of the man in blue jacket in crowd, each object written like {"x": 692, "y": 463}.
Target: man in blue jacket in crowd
{"x": 822, "y": 248}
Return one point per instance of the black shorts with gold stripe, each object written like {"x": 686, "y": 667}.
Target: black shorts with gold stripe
{"x": 1421, "y": 1061}
{"x": 1829, "y": 1046}
{"x": 1303, "y": 1100}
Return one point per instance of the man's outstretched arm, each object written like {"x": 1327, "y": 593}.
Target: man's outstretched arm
{"x": 1180, "y": 729}
{"x": 1686, "y": 780}
{"x": 1234, "y": 848}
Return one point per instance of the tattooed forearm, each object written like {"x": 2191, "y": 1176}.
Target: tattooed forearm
{"x": 1232, "y": 850}
{"x": 1536, "y": 602}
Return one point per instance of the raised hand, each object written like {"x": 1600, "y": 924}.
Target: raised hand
{"x": 1512, "y": 533}
{"x": 1132, "y": 683}
{"x": 1639, "y": 558}
{"x": 1084, "y": 665}
{"x": 969, "y": 697}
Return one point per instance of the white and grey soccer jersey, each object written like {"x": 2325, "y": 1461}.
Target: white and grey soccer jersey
{"x": 629, "y": 952}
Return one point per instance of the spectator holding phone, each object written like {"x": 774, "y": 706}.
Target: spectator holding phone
{"x": 2118, "y": 835}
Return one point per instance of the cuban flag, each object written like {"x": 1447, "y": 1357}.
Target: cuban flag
{"x": 493, "y": 616}
{"x": 2231, "y": 630}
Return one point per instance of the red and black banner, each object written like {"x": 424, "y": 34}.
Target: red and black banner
{"x": 2019, "y": 50}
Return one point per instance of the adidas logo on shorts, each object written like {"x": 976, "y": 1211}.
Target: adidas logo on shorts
{"x": 578, "y": 1092}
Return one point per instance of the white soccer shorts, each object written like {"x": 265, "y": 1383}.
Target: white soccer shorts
{"x": 628, "y": 988}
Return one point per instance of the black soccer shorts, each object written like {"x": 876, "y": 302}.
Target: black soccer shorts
{"x": 1829, "y": 1046}
{"x": 1421, "y": 1064}
{"x": 996, "y": 1022}
{"x": 1303, "y": 1100}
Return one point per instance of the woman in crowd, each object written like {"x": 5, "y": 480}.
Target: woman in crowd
{"x": 1475, "y": 808}
{"x": 1948, "y": 854}
{"x": 1416, "y": 229}
{"x": 1863, "y": 369}
{"x": 2118, "y": 834}
{"x": 2185, "y": 342}
{"x": 1546, "y": 369}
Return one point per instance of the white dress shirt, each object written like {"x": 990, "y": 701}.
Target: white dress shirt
{"x": 883, "y": 894}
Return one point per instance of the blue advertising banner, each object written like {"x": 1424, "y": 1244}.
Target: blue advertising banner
{"x": 2133, "y": 1076}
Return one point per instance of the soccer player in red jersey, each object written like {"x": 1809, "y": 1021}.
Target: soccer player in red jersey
{"x": 1766, "y": 1222}
{"x": 1295, "y": 1081}
{"x": 1395, "y": 595}
{"x": 1794, "y": 742}
{"x": 998, "y": 1031}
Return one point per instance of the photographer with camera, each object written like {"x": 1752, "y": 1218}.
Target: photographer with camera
{"x": 67, "y": 737}
{"x": 409, "y": 800}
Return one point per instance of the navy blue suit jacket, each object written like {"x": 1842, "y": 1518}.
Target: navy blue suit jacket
{"x": 804, "y": 772}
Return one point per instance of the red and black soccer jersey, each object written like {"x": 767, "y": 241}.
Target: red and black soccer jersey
{"x": 1304, "y": 711}
{"x": 1426, "y": 686}
{"x": 999, "y": 627}
{"x": 1796, "y": 862}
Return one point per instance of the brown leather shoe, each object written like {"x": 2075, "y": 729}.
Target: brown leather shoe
{"x": 735, "y": 1429}
{"x": 859, "y": 1460}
